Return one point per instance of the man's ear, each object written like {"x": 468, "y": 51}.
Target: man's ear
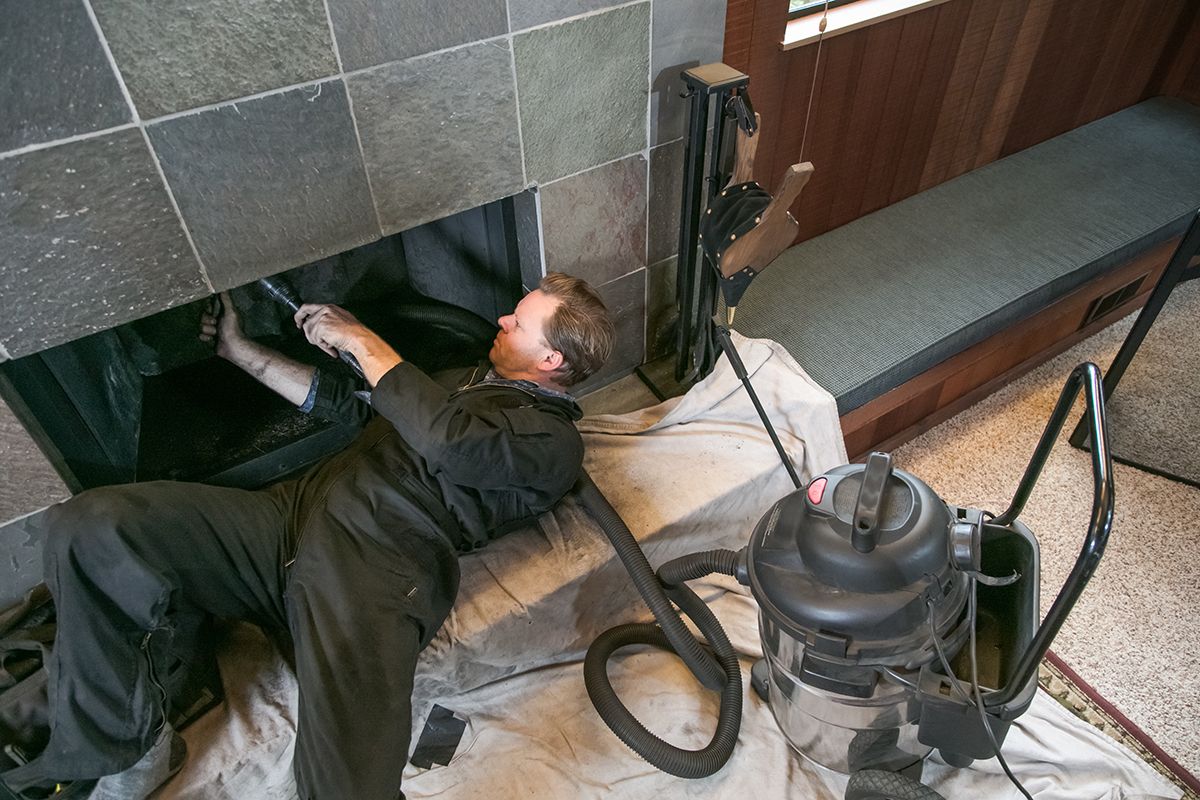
{"x": 552, "y": 362}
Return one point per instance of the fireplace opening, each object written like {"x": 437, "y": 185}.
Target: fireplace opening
{"x": 148, "y": 400}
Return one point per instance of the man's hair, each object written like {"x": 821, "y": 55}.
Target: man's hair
{"x": 580, "y": 328}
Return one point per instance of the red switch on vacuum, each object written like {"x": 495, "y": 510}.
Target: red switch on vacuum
{"x": 816, "y": 490}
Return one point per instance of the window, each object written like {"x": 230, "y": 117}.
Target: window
{"x": 801, "y": 8}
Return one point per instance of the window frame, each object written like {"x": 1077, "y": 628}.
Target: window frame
{"x": 813, "y": 7}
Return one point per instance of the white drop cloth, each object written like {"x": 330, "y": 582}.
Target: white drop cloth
{"x": 693, "y": 473}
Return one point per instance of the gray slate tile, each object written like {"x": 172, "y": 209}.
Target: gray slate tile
{"x": 89, "y": 241}
{"x": 21, "y": 544}
{"x": 594, "y": 223}
{"x": 661, "y": 313}
{"x": 180, "y": 54}
{"x": 666, "y": 196}
{"x": 371, "y": 32}
{"x": 582, "y": 88}
{"x": 529, "y": 238}
{"x": 626, "y": 301}
{"x": 27, "y": 479}
{"x": 439, "y": 134}
{"x": 269, "y": 183}
{"x": 55, "y": 81}
{"x": 687, "y": 33}
{"x": 527, "y": 13}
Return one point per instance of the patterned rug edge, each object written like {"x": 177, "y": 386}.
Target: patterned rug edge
{"x": 1077, "y": 696}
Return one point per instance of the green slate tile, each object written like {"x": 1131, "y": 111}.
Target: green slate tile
{"x": 55, "y": 80}
{"x": 89, "y": 241}
{"x": 180, "y": 54}
{"x": 371, "y": 32}
{"x": 625, "y": 299}
{"x": 687, "y": 33}
{"x": 528, "y": 13}
{"x": 22, "y": 541}
{"x": 666, "y": 199}
{"x": 270, "y": 183}
{"x": 583, "y": 88}
{"x": 439, "y": 134}
{"x": 594, "y": 223}
{"x": 662, "y": 315}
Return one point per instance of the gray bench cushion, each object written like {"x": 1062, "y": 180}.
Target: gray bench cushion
{"x": 870, "y": 305}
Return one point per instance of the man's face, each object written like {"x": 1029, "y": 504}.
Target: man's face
{"x": 520, "y": 346}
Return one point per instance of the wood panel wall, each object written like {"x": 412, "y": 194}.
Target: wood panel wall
{"x": 905, "y": 104}
{"x": 895, "y": 108}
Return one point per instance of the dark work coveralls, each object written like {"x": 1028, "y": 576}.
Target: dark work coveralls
{"x": 352, "y": 566}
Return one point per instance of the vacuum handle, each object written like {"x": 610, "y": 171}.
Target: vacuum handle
{"x": 1086, "y": 376}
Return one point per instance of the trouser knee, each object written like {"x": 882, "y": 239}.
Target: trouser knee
{"x": 94, "y": 521}
{"x": 91, "y": 548}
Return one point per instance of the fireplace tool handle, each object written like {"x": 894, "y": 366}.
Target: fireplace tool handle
{"x": 281, "y": 291}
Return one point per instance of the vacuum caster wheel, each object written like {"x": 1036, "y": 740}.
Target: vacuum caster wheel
{"x": 877, "y": 784}
{"x": 955, "y": 759}
{"x": 759, "y": 679}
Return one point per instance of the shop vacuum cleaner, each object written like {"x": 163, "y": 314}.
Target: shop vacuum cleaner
{"x": 892, "y": 623}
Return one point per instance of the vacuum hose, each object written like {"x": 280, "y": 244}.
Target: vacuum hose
{"x": 721, "y": 673}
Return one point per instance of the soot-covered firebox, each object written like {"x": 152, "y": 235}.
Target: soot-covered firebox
{"x": 148, "y": 400}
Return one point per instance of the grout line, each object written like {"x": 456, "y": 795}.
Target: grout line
{"x": 623, "y": 276}
{"x": 337, "y": 57}
{"x": 112, "y": 61}
{"x": 537, "y": 205}
{"x": 178, "y": 213}
{"x": 646, "y": 304}
{"x": 235, "y": 101}
{"x": 363, "y": 157}
{"x": 138, "y": 121}
{"x": 141, "y": 127}
{"x": 649, "y": 107}
{"x": 424, "y": 56}
{"x": 512, "y": 60}
{"x": 554, "y": 23}
{"x": 598, "y": 166}
{"x": 79, "y": 137}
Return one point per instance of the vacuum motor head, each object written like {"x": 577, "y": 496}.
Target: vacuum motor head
{"x": 855, "y": 565}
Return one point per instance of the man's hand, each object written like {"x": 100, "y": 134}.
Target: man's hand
{"x": 333, "y": 328}
{"x": 221, "y": 322}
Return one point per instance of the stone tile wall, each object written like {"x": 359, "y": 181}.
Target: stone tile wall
{"x": 152, "y": 153}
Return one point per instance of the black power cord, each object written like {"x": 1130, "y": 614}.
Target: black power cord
{"x": 972, "y": 603}
{"x": 975, "y": 697}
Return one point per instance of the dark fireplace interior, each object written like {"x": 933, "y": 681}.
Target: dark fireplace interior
{"x": 148, "y": 400}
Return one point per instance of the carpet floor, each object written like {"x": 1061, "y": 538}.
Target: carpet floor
{"x": 1152, "y": 416}
{"x": 1134, "y": 635}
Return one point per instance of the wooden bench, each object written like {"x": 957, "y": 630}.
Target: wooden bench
{"x": 909, "y": 314}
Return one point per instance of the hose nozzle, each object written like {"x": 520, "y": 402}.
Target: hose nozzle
{"x": 280, "y": 290}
